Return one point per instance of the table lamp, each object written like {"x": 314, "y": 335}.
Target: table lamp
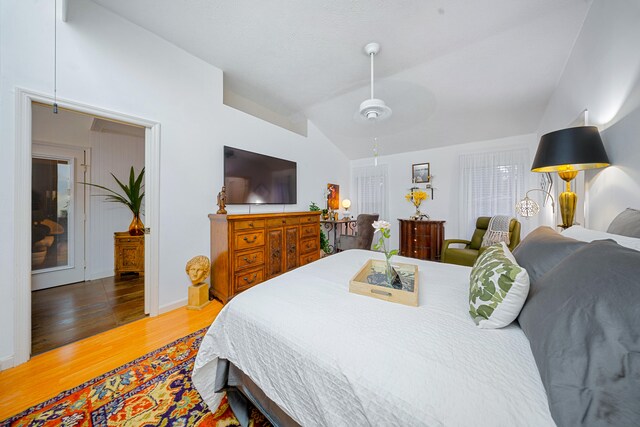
{"x": 568, "y": 151}
{"x": 346, "y": 204}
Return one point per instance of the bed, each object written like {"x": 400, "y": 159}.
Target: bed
{"x": 328, "y": 357}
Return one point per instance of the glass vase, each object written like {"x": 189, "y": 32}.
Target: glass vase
{"x": 136, "y": 228}
{"x": 389, "y": 272}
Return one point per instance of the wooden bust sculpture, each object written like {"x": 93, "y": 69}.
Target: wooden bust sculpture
{"x": 198, "y": 269}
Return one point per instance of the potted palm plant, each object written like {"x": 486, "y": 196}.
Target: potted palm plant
{"x": 131, "y": 196}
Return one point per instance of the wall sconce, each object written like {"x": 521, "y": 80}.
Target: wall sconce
{"x": 528, "y": 207}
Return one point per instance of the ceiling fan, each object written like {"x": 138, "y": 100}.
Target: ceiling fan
{"x": 373, "y": 109}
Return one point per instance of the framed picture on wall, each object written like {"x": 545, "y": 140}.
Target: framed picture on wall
{"x": 333, "y": 197}
{"x": 420, "y": 173}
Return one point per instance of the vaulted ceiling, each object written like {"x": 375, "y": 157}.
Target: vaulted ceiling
{"x": 453, "y": 71}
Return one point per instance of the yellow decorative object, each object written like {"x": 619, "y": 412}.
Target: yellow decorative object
{"x": 416, "y": 196}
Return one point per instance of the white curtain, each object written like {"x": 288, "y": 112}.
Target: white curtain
{"x": 491, "y": 184}
{"x": 370, "y": 190}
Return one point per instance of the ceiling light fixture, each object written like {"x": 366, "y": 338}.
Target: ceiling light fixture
{"x": 373, "y": 108}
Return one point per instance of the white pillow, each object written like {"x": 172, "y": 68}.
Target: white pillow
{"x": 498, "y": 288}
{"x": 586, "y": 235}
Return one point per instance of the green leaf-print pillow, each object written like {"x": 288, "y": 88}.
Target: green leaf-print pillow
{"x": 498, "y": 288}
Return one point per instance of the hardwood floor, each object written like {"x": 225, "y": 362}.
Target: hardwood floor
{"x": 48, "y": 374}
{"x": 65, "y": 314}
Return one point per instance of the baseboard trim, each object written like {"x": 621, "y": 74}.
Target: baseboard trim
{"x": 100, "y": 275}
{"x": 6, "y": 363}
{"x": 172, "y": 306}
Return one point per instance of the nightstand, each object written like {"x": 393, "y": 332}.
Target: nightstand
{"x": 128, "y": 253}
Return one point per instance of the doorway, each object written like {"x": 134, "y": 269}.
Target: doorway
{"x": 58, "y": 260}
{"x": 75, "y": 291}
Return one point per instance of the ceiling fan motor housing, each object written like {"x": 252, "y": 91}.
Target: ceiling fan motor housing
{"x": 373, "y": 108}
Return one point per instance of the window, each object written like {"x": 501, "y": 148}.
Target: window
{"x": 491, "y": 185}
{"x": 370, "y": 194}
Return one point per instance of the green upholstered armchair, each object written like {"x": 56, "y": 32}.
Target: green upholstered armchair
{"x": 467, "y": 255}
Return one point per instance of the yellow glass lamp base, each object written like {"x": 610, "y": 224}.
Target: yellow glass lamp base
{"x": 568, "y": 199}
{"x": 568, "y": 202}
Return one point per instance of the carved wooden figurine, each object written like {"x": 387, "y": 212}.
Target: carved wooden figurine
{"x": 198, "y": 269}
{"x": 222, "y": 200}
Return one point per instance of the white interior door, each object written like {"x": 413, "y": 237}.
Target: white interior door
{"x": 57, "y": 216}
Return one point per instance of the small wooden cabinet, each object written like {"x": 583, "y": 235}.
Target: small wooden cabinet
{"x": 421, "y": 239}
{"x": 128, "y": 253}
{"x": 249, "y": 249}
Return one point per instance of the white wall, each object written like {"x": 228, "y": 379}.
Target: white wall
{"x": 603, "y": 75}
{"x": 110, "y": 63}
{"x": 110, "y": 153}
{"x": 445, "y": 168}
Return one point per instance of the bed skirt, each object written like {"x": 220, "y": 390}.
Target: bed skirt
{"x": 242, "y": 392}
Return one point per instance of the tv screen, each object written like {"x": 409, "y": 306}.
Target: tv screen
{"x": 252, "y": 178}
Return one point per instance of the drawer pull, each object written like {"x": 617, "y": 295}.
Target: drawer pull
{"x": 375, "y": 291}
{"x": 250, "y": 281}
{"x": 250, "y": 261}
{"x": 247, "y": 240}
{"x": 251, "y": 224}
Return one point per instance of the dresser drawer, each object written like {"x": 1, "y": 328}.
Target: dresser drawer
{"x": 249, "y": 240}
{"x": 306, "y": 259}
{"x": 310, "y": 245}
{"x": 421, "y": 239}
{"x": 277, "y": 222}
{"x": 310, "y": 219}
{"x": 248, "y": 279}
{"x": 249, "y": 224}
{"x": 309, "y": 231}
{"x": 248, "y": 259}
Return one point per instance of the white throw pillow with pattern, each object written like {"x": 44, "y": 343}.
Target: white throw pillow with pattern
{"x": 498, "y": 288}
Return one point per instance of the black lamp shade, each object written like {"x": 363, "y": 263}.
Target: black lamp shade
{"x": 569, "y": 149}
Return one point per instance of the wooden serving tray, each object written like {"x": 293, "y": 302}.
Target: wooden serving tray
{"x": 370, "y": 281}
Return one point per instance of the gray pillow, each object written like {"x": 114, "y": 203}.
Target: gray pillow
{"x": 542, "y": 250}
{"x": 627, "y": 223}
{"x": 583, "y": 325}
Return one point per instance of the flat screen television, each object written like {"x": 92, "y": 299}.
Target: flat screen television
{"x": 252, "y": 178}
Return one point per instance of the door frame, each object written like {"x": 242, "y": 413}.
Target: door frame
{"x": 22, "y": 215}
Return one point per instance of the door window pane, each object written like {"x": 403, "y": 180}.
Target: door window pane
{"x": 51, "y": 204}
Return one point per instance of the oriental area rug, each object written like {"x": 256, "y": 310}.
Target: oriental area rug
{"x": 153, "y": 390}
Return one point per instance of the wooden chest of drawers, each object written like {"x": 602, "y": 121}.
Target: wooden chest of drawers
{"x": 128, "y": 253}
{"x": 421, "y": 239}
{"x": 249, "y": 249}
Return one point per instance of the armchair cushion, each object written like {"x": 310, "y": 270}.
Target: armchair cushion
{"x": 460, "y": 256}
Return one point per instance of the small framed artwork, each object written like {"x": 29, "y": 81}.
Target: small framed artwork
{"x": 420, "y": 173}
{"x": 333, "y": 197}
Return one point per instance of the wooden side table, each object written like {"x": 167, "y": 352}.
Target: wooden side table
{"x": 128, "y": 254}
{"x": 421, "y": 239}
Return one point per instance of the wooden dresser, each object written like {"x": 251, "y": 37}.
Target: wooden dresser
{"x": 249, "y": 249}
{"x": 128, "y": 253}
{"x": 421, "y": 239}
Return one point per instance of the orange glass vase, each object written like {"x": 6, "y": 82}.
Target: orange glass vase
{"x": 136, "y": 228}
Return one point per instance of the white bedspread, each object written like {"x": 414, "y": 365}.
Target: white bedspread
{"x": 331, "y": 358}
